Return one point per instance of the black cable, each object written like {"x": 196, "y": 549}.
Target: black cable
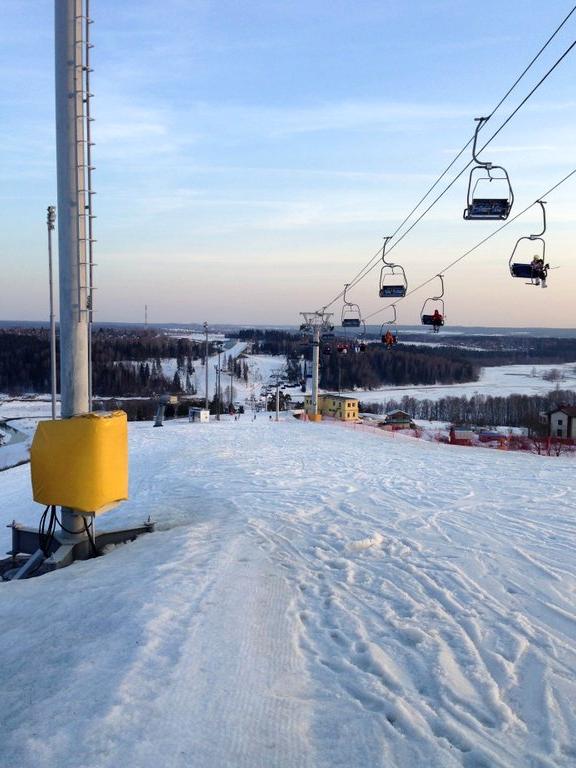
{"x": 370, "y": 265}
{"x": 88, "y": 528}
{"x": 68, "y": 530}
{"x": 46, "y": 531}
{"x": 474, "y": 247}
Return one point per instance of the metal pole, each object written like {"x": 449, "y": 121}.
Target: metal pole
{"x": 219, "y": 386}
{"x": 70, "y": 153}
{"x": 277, "y": 400}
{"x": 315, "y": 367}
{"x": 88, "y": 207}
{"x": 50, "y": 221}
{"x": 206, "y": 404}
{"x": 231, "y": 380}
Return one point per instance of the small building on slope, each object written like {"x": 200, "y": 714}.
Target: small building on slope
{"x": 562, "y": 422}
{"x": 334, "y": 406}
{"x": 397, "y": 420}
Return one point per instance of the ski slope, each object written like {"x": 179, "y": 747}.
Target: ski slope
{"x": 315, "y": 595}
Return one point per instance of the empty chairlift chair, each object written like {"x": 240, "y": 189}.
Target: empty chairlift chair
{"x": 490, "y": 194}
{"x": 535, "y": 270}
{"x": 351, "y": 315}
{"x": 436, "y": 317}
{"x": 393, "y": 282}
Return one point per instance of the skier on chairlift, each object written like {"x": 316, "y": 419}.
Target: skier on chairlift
{"x": 389, "y": 339}
{"x": 437, "y": 320}
{"x": 539, "y": 271}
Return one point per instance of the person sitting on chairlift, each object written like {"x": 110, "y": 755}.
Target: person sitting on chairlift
{"x": 437, "y": 320}
{"x": 539, "y": 271}
{"x": 389, "y": 339}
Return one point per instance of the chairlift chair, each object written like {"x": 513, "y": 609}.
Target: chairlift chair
{"x": 393, "y": 282}
{"x": 435, "y": 320}
{"x": 389, "y": 336}
{"x": 351, "y": 315}
{"x": 525, "y": 270}
{"x": 490, "y": 194}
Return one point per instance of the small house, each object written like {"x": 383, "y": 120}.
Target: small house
{"x": 335, "y": 406}
{"x": 397, "y": 420}
{"x": 562, "y": 422}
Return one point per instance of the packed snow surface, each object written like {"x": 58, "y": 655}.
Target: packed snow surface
{"x": 315, "y": 595}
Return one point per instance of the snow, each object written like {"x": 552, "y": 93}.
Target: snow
{"x": 315, "y": 595}
{"x": 17, "y": 438}
{"x": 501, "y": 381}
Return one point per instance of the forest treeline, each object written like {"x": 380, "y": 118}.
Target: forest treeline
{"x": 481, "y": 410}
{"x": 379, "y": 366}
{"x": 125, "y": 363}
{"x": 128, "y": 362}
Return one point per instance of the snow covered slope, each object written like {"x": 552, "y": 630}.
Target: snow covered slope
{"x": 315, "y": 596}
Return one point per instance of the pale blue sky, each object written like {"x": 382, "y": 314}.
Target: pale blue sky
{"x": 251, "y": 155}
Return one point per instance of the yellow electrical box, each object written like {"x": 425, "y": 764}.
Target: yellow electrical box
{"x": 82, "y": 462}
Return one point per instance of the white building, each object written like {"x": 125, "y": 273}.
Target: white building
{"x": 562, "y": 421}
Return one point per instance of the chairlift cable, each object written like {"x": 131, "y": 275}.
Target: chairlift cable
{"x": 367, "y": 269}
{"x": 370, "y": 264}
{"x": 475, "y": 247}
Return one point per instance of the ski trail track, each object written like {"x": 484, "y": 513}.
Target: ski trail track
{"x": 314, "y": 596}
{"x": 411, "y": 604}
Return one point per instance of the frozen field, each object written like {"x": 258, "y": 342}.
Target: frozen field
{"x": 501, "y": 380}
{"x": 316, "y": 595}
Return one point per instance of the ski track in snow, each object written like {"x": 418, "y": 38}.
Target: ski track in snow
{"x": 314, "y": 596}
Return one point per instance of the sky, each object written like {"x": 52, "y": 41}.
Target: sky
{"x": 251, "y": 156}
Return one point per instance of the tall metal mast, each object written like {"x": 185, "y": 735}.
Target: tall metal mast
{"x": 73, "y": 214}
{"x": 88, "y": 208}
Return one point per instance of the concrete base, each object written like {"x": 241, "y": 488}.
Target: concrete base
{"x": 64, "y": 549}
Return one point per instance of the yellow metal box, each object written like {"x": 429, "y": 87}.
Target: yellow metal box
{"x": 82, "y": 462}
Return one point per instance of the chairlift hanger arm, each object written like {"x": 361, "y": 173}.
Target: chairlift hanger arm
{"x": 539, "y": 235}
{"x": 481, "y": 122}
{"x": 439, "y": 298}
{"x": 346, "y": 301}
{"x": 386, "y": 263}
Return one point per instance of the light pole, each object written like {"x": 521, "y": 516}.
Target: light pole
{"x": 218, "y": 388}
{"x": 50, "y": 222}
{"x": 206, "y": 402}
{"x": 231, "y": 380}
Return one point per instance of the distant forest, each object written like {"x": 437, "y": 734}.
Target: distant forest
{"x": 125, "y": 363}
{"x": 413, "y": 363}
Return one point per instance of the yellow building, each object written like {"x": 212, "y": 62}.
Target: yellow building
{"x": 335, "y": 406}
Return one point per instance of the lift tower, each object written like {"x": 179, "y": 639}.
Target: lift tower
{"x": 314, "y": 324}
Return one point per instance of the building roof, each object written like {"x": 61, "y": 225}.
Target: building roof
{"x": 569, "y": 410}
{"x": 338, "y": 397}
{"x": 398, "y": 415}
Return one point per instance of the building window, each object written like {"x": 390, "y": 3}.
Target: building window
{"x": 558, "y": 433}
